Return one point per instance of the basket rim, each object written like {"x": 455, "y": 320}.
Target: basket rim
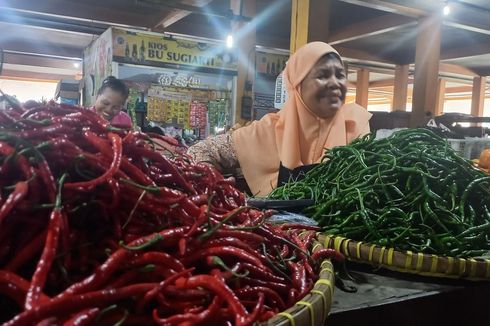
{"x": 320, "y": 296}
{"x": 474, "y": 269}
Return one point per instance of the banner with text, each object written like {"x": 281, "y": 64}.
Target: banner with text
{"x": 155, "y": 50}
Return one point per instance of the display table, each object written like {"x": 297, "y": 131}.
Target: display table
{"x": 389, "y": 298}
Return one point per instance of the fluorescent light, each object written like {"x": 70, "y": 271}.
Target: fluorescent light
{"x": 76, "y": 65}
{"x": 229, "y": 41}
{"x": 446, "y": 10}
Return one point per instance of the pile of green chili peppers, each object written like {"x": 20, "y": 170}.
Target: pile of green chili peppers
{"x": 410, "y": 191}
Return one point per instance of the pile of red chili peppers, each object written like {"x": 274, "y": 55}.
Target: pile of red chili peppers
{"x": 97, "y": 227}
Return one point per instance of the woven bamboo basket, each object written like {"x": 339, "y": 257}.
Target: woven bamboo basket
{"x": 313, "y": 309}
{"x": 409, "y": 262}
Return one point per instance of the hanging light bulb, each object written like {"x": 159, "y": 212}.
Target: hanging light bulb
{"x": 447, "y": 9}
{"x": 229, "y": 41}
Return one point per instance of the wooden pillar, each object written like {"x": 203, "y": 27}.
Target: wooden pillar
{"x": 362, "y": 87}
{"x": 400, "y": 89}
{"x": 244, "y": 41}
{"x": 306, "y": 26}
{"x": 478, "y": 96}
{"x": 427, "y": 54}
{"x": 441, "y": 95}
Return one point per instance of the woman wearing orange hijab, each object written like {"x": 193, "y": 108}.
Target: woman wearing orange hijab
{"x": 314, "y": 118}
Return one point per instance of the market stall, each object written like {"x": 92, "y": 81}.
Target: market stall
{"x": 185, "y": 85}
{"x": 268, "y": 66}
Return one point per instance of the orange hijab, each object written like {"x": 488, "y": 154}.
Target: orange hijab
{"x": 294, "y": 136}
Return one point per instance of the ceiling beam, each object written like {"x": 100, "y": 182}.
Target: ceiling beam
{"x": 467, "y": 18}
{"x": 359, "y": 55}
{"x": 389, "y": 82}
{"x": 33, "y": 60}
{"x": 388, "y": 7}
{"x": 459, "y": 89}
{"x": 29, "y": 75}
{"x": 455, "y": 69}
{"x": 473, "y": 27}
{"x": 97, "y": 14}
{"x": 465, "y": 51}
{"x": 172, "y": 4}
{"x": 175, "y": 14}
{"x": 42, "y": 47}
{"x": 375, "y": 26}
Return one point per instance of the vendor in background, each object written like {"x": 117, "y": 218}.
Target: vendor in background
{"x": 110, "y": 100}
{"x": 314, "y": 117}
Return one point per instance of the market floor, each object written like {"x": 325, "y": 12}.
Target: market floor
{"x": 389, "y": 298}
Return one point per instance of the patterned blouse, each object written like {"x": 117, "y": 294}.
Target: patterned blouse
{"x": 218, "y": 151}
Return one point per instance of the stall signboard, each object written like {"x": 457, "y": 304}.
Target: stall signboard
{"x": 97, "y": 59}
{"x": 271, "y": 64}
{"x": 159, "y": 50}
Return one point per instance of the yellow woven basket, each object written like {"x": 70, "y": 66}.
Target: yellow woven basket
{"x": 409, "y": 262}
{"x": 313, "y": 309}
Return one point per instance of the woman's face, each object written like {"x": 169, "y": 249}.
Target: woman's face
{"x": 323, "y": 89}
{"x": 109, "y": 103}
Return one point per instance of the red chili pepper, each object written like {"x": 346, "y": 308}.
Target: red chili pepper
{"x": 20, "y": 191}
{"x": 115, "y": 190}
{"x": 166, "y": 164}
{"x": 48, "y": 179}
{"x": 15, "y": 287}
{"x": 201, "y": 219}
{"x": 257, "y": 272}
{"x": 190, "y": 318}
{"x": 269, "y": 293}
{"x": 292, "y": 296}
{"x": 124, "y": 279}
{"x": 104, "y": 271}
{"x": 234, "y": 242}
{"x": 259, "y": 307}
{"x": 66, "y": 304}
{"x": 54, "y": 129}
{"x": 170, "y": 140}
{"x": 22, "y": 162}
{"x": 250, "y": 237}
{"x": 26, "y": 253}
{"x": 47, "y": 322}
{"x": 44, "y": 264}
{"x": 150, "y": 295}
{"x": 187, "y": 294}
{"x": 227, "y": 251}
{"x": 97, "y": 122}
{"x": 83, "y": 318}
{"x": 7, "y": 118}
{"x": 116, "y": 162}
{"x": 220, "y": 289}
{"x": 322, "y": 254}
{"x": 74, "y": 119}
{"x": 158, "y": 258}
{"x": 276, "y": 286}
